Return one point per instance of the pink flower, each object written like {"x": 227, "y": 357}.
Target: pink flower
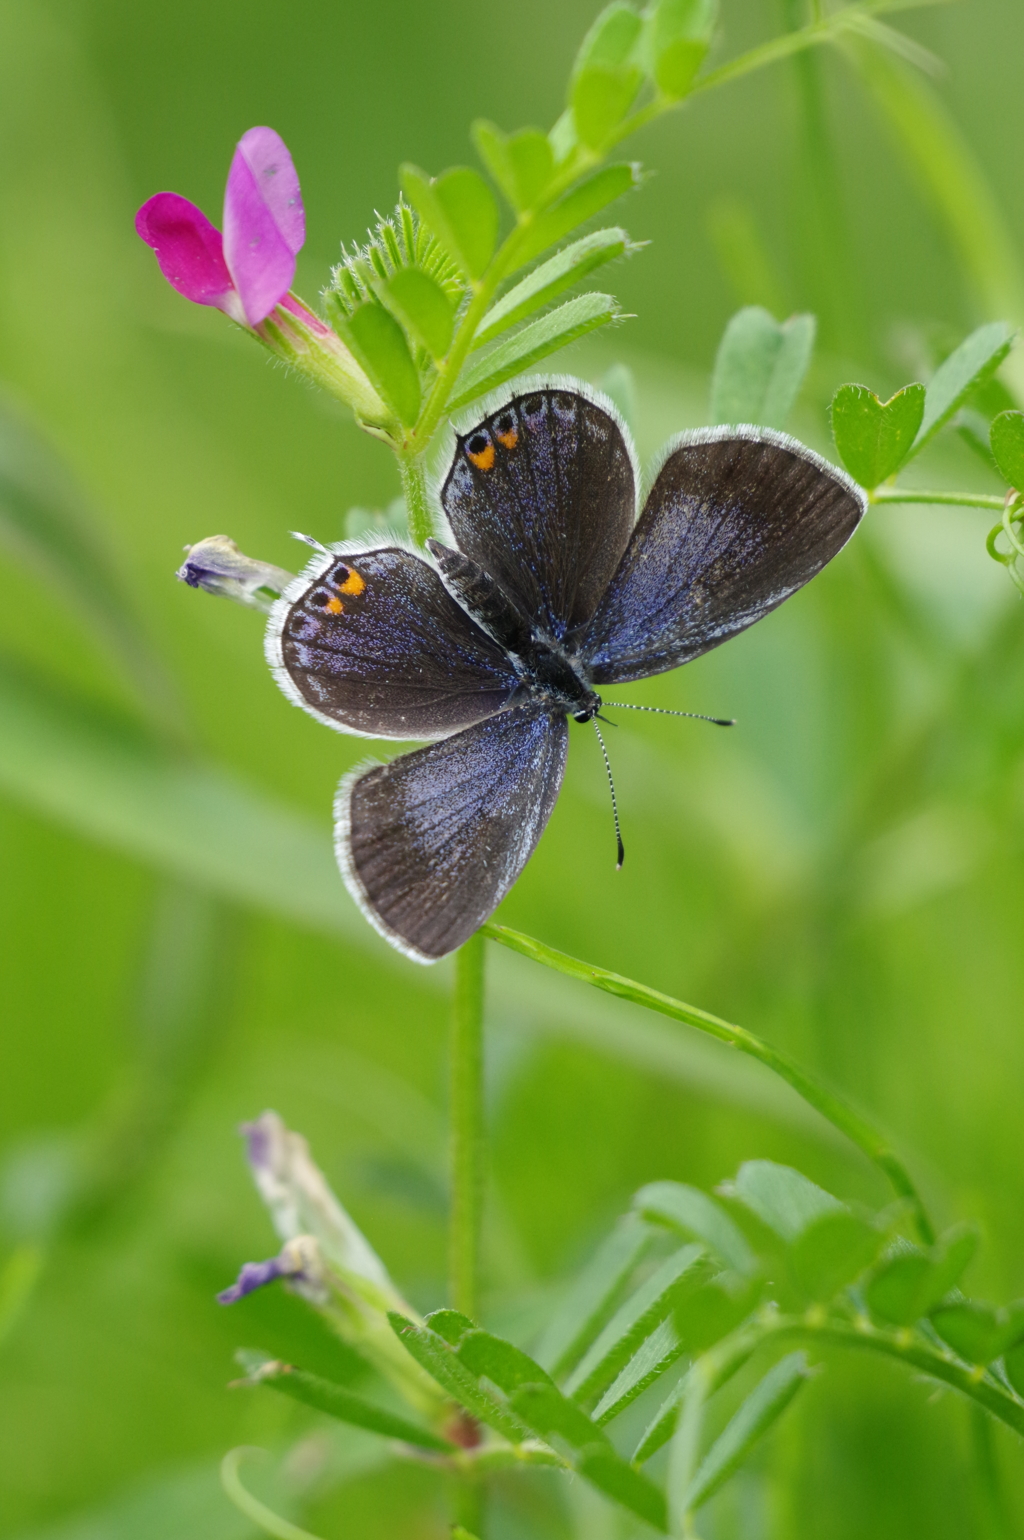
{"x": 248, "y": 270}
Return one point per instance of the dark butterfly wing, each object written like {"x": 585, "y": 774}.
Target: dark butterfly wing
{"x": 372, "y": 643}
{"x": 737, "y": 520}
{"x": 430, "y": 844}
{"x": 542, "y": 495}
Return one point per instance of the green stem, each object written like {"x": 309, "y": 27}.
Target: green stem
{"x": 838, "y": 1112}
{"x": 413, "y": 471}
{"x": 961, "y": 499}
{"x": 467, "y": 1125}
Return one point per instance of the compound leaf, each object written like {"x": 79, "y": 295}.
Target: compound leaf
{"x": 380, "y": 346}
{"x": 1006, "y": 438}
{"x": 422, "y": 307}
{"x": 578, "y": 205}
{"x": 833, "y": 1250}
{"x": 460, "y": 209}
{"x": 434, "y": 1354}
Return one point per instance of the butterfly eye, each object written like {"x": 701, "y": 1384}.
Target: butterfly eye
{"x": 506, "y": 431}
{"x": 348, "y": 581}
{"x": 324, "y": 599}
{"x": 481, "y": 451}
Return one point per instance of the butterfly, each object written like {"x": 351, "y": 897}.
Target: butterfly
{"x": 551, "y": 589}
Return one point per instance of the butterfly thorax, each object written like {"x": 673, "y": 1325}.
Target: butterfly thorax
{"x": 547, "y": 672}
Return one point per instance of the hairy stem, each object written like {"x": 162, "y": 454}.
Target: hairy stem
{"x": 915, "y": 495}
{"x": 467, "y": 1125}
{"x": 831, "y": 1106}
{"x": 413, "y": 471}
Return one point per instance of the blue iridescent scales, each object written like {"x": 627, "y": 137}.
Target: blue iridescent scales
{"x": 553, "y": 587}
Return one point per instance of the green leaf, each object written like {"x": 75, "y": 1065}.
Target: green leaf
{"x": 422, "y": 307}
{"x": 759, "y": 367}
{"x": 661, "y": 1349}
{"x": 874, "y": 437}
{"x": 337, "y": 1402}
{"x": 965, "y": 370}
{"x": 460, "y": 209}
{"x": 522, "y": 164}
{"x": 554, "y": 1417}
{"x": 784, "y": 1199}
{"x": 604, "y": 1469}
{"x": 526, "y": 348}
{"x": 908, "y": 1284}
{"x": 503, "y": 1363}
{"x": 590, "y": 1300}
{"x": 832, "y": 1251}
{"x": 711, "y": 1312}
{"x": 972, "y": 1328}
{"x": 606, "y": 75}
{"x": 763, "y": 1407}
{"x": 578, "y": 205}
{"x": 549, "y": 280}
{"x": 549, "y": 1413}
{"x": 694, "y": 1213}
{"x": 452, "y": 1325}
{"x": 678, "y": 35}
{"x": 379, "y": 345}
{"x": 433, "y": 1353}
{"x": 635, "y": 1319}
{"x": 1006, "y": 437}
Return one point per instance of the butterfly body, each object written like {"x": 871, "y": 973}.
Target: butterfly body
{"x": 552, "y": 588}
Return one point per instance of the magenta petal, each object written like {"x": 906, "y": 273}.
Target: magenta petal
{"x": 188, "y": 249}
{"x": 263, "y": 222}
{"x": 270, "y": 163}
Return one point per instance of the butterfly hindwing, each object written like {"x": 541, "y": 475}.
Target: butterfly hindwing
{"x": 430, "y": 843}
{"x": 372, "y": 643}
{"x": 736, "y": 521}
{"x": 542, "y": 495}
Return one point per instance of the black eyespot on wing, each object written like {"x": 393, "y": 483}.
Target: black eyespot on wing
{"x": 430, "y": 844}
{"x": 387, "y": 652}
{"x": 547, "y": 505}
{"x": 733, "y": 525}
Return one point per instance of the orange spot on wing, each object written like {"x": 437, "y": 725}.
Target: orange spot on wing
{"x": 334, "y": 606}
{"x": 353, "y": 584}
{"x": 485, "y": 459}
{"x": 509, "y": 439}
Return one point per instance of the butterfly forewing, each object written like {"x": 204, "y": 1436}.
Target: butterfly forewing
{"x": 734, "y": 524}
{"x": 430, "y": 843}
{"x": 374, "y": 644}
{"x": 542, "y": 495}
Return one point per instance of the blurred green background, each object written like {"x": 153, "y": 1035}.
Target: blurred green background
{"x": 842, "y": 873}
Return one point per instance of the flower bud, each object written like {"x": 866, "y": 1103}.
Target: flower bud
{"x": 218, "y": 566}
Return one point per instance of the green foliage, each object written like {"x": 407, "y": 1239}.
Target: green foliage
{"x": 607, "y": 74}
{"x": 338, "y": 1402}
{"x": 912, "y": 1281}
{"x": 379, "y": 344}
{"x": 589, "y": 197}
{"x": 522, "y": 164}
{"x": 460, "y": 209}
{"x": 763, "y": 1407}
{"x": 1007, "y": 442}
{"x": 967, "y": 368}
{"x": 422, "y": 306}
{"x": 783, "y": 1199}
{"x": 694, "y": 1213}
{"x": 545, "y": 283}
{"x": 526, "y": 348}
{"x": 760, "y": 367}
{"x": 832, "y": 1251}
{"x": 677, "y": 41}
{"x": 591, "y": 1298}
{"x": 874, "y": 437}
{"x": 978, "y": 1331}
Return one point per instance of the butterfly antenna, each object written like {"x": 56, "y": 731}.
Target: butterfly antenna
{"x": 297, "y": 534}
{"x": 615, "y": 805}
{"x": 621, "y": 705}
